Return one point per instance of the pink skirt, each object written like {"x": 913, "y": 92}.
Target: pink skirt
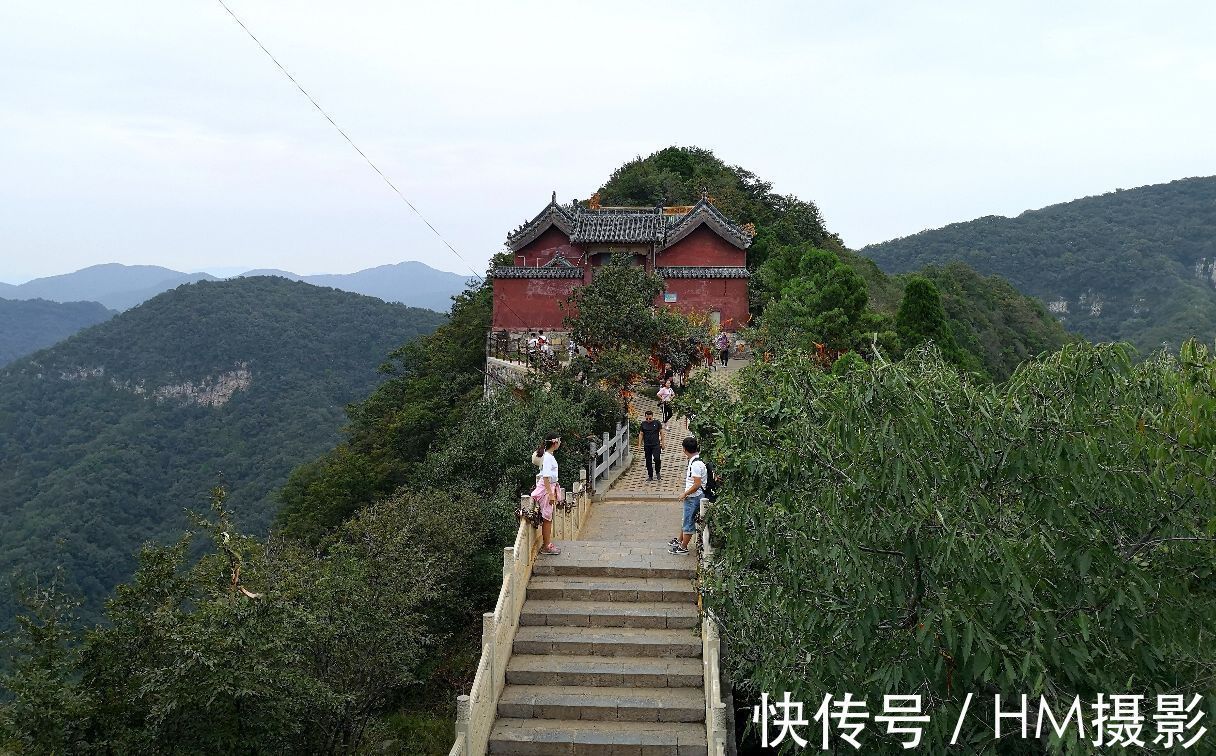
{"x": 541, "y": 497}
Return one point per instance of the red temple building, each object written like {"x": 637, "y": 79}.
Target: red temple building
{"x": 700, "y": 253}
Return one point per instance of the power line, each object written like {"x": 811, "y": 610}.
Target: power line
{"x": 362, "y": 154}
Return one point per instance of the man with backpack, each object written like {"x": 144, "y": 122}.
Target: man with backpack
{"x": 694, "y": 489}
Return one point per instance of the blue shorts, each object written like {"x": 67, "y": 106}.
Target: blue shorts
{"x": 692, "y": 505}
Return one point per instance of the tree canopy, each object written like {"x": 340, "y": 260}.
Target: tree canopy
{"x": 105, "y": 438}
{"x": 32, "y": 324}
{"x": 899, "y": 528}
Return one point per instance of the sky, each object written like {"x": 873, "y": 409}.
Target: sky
{"x": 155, "y": 132}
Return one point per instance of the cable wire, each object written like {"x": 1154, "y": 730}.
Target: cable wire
{"x": 362, "y": 154}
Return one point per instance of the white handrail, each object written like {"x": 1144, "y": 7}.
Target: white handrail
{"x": 609, "y": 454}
{"x": 475, "y": 712}
{"x": 711, "y": 656}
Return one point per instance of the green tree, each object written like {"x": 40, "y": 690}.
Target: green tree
{"x": 682, "y": 175}
{"x": 824, "y": 303}
{"x": 46, "y": 712}
{"x": 431, "y": 383}
{"x": 257, "y": 647}
{"x": 616, "y": 309}
{"x": 921, "y": 317}
{"x": 616, "y": 319}
{"x": 903, "y": 529}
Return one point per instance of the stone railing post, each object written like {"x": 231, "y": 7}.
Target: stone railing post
{"x": 591, "y": 455}
{"x": 508, "y": 575}
{"x": 718, "y": 746}
{"x": 488, "y": 626}
{"x": 462, "y": 723}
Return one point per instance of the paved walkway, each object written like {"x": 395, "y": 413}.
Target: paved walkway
{"x": 633, "y": 481}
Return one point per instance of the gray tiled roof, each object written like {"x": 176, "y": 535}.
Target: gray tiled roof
{"x": 627, "y": 225}
{"x": 511, "y": 271}
{"x": 705, "y": 212}
{"x": 553, "y": 215}
{"x": 689, "y": 271}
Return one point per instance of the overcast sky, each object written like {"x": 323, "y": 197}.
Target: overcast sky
{"x": 155, "y": 131}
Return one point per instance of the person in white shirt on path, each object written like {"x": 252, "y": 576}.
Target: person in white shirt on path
{"x": 545, "y": 492}
{"x": 693, "y": 491}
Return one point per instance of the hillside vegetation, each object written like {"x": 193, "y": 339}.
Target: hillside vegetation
{"x": 1137, "y": 265}
{"x": 27, "y": 326}
{"x": 107, "y": 437}
{"x": 897, "y": 528}
{"x": 993, "y": 326}
{"x": 352, "y": 628}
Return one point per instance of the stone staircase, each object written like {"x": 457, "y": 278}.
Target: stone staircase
{"x": 607, "y": 656}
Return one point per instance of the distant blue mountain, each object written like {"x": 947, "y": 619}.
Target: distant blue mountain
{"x": 118, "y": 287}
{"x": 121, "y": 287}
{"x": 411, "y": 283}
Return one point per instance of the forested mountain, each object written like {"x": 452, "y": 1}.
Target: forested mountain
{"x": 367, "y": 619}
{"x": 990, "y": 321}
{"x": 107, "y": 437}
{"x": 29, "y": 325}
{"x": 120, "y": 287}
{"x": 1136, "y": 265}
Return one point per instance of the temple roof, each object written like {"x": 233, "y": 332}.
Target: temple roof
{"x": 696, "y": 271}
{"x": 659, "y": 226}
{"x": 620, "y": 226}
{"x": 510, "y": 271}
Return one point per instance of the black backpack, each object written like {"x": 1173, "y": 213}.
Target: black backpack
{"x": 709, "y": 487}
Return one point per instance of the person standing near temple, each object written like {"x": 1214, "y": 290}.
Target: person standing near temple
{"x": 666, "y": 394}
{"x": 723, "y": 345}
{"x": 651, "y": 438}
{"x": 545, "y": 494}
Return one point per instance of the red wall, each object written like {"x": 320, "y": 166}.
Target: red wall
{"x": 548, "y": 244}
{"x": 726, "y": 295}
{"x": 534, "y": 299}
{"x": 702, "y": 247}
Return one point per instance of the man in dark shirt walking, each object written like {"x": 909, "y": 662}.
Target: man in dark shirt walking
{"x": 651, "y": 438}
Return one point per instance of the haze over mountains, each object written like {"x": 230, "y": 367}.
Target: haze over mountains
{"x": 1134, "y": 265}
{"x": 121, "y": 287}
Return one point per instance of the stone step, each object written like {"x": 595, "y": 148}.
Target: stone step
{"x": 674, "y": 590}
{"x": 602, "y": 704}
{"x": 638, "y": 495}
{"x": 548, "y": 737}
{"x": 607, "y": 641}
{"x": 656, "y": 614}
{"x": 591, "y": 559}
{"x": 604, "y": 671}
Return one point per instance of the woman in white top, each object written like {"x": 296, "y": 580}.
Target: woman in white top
{"x": 545, "y": 492}
{"x": 666, "y": 394}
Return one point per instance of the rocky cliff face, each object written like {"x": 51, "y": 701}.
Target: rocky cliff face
{"x": 209, "y": 391}
{"x": 1205, "y": 270}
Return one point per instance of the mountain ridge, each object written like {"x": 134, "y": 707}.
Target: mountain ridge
{"x": 107, "y": 436}
{"x": 121, "y": 287}
{"x": 1131, "y": 264}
